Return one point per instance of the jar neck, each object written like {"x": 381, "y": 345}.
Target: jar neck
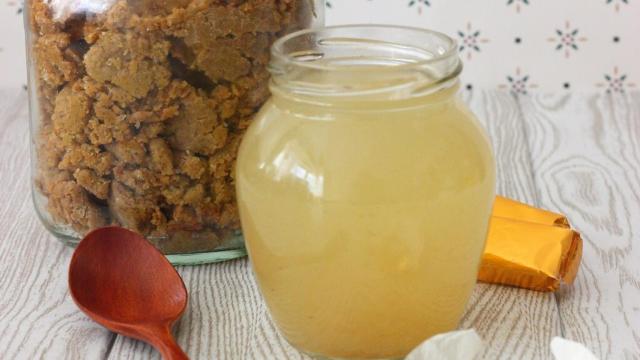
{"x": 371, "y": 66}
{"x": 301, "y": 103}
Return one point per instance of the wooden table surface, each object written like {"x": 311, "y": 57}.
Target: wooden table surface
{"x": 578, "y": 154}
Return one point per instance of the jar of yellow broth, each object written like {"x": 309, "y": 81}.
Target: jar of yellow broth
{"x": 365, "y": 189}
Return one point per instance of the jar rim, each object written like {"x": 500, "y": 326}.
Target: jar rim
{"x": 281, "y": 56}
{"x": 364, "y": 61}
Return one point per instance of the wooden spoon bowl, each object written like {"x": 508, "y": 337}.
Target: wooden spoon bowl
{"x": 124, "y": 283}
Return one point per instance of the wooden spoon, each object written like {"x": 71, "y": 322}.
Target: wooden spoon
{"x": 124, "y": 283}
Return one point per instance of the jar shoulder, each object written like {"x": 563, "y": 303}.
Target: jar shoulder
{"x": 427, "y": 150}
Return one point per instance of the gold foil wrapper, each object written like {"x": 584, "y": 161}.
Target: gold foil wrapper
{"x": 511, "y": 209}
{"x": 529, "y": 248}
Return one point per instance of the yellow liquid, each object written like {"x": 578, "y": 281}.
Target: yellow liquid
{"x": 365, "y": 223}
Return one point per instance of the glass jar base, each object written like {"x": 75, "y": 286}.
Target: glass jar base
{"x": 206, "y": 257}
{"x": 199, "y": 258}
{"x": 323, "y": 357}
{"x": 180, "y": 259}
{"x": 315, "y": 356}
{"x": 233, "y": 248}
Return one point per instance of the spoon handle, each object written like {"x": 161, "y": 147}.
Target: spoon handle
{"x": 166, "y": 344}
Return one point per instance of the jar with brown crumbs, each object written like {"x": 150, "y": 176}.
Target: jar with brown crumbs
{"x": 138, "y": 108}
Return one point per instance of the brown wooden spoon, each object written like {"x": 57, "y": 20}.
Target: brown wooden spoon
{"x": 125, "y": 284}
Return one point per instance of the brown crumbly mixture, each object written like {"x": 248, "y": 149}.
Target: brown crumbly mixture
{"x": 142, "y": 108}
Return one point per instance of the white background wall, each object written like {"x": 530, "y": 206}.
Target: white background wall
{"x": 516, "y": 39}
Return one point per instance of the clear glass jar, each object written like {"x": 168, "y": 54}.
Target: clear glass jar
{"x": 365, "y": 188}
{"x": 138, "y": 108}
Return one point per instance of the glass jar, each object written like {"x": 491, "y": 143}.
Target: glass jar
{"x": 138, "y": 108}
{"x": 365, "y": 188}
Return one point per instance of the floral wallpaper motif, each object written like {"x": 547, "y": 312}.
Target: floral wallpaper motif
{"x": 470, "y": 41}
{"x": 524, "y": 46}
{"x": 567, "y": 39}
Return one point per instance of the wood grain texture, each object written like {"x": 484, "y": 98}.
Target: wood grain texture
{"x": 226, "y": 319}
{"x": 515, "y": 323}
{"x": 38, "y": 319}
{"x": 575, "y": 154}
{"x": 586, "y": 155}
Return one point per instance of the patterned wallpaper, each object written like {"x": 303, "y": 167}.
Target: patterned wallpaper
{"x": 520, "y": 45}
